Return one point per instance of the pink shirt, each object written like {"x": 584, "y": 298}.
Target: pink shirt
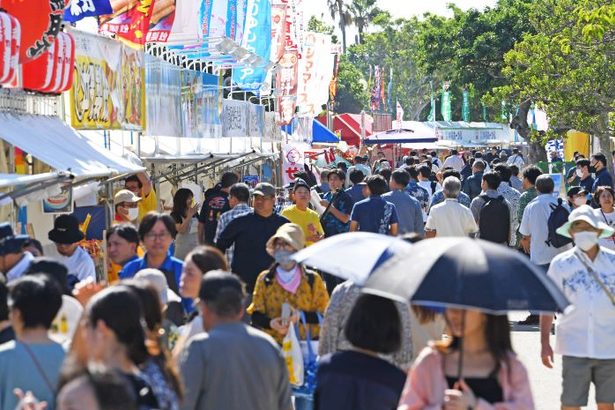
{"x": 426, "y": 383}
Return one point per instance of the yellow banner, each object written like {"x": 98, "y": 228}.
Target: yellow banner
{"x": 109, "y": 85}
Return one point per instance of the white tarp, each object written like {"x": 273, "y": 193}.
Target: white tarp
{"x": 464, "y": 133}
{"x": 11, "y": 180}
{"x": 59, "y": 146}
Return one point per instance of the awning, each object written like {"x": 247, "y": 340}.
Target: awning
{"x": 12, "y": 180}
{"x": 320, "y": 133}
{"x": 400, "y": 136}
{"x": 59, "y": 146}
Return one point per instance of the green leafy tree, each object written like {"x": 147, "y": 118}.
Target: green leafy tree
{"x": 567, "y": 67}
{"x": 318, "y": 26}
{"x": 363, "y": 13}
{"x": 352, "y": 94}
{"x": 340, "y": 13}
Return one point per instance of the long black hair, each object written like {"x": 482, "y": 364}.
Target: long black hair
{"x": 152, "y": 314}
{"x": 121, "y": 311}
{"x": 180, "y": 204}
{"x": 497, "y": 335}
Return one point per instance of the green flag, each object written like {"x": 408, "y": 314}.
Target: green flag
{"x": 504, "y": 112}
{"x": 465, "y": 109}
{"x": 485, "y": 117}
{"x": 432, "y": 111}
{"x": 445, "y": 105}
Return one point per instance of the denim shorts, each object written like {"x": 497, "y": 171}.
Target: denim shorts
{"x": 579, "y": 372}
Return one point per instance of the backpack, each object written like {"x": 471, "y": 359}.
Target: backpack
{"x": 494, "y": 220}
{"x": 558, "y": 217}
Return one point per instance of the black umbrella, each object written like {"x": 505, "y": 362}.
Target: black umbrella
{"x": 467, "y": 274}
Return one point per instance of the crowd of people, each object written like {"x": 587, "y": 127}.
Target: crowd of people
{"x": 198, "y": 302}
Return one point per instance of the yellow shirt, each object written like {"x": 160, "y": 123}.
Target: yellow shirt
{"x": 308, "y": 220}
{"x": 269, "y": 297}
{"x": 147, "y": 204}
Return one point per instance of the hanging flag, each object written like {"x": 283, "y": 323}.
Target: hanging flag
{"x": 257, "y": 39}
{"x": 131, "y": 23}
{"x": 400, "y": 115}
{"x": 465, "y": 109}
{"x": 504, "y": 114}
{"x": 79, "y": 9}
{"x": 278, "y": 26}
{"x": 485, "y": 116}
{"x": 445, "y": 104}
{"x": 382, "y": 90}
{"x": 432, "y": 109}
{"x": 390, "y": 90}
{"x": 375, "y": 100}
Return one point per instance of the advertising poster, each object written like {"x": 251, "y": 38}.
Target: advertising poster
{"x": 292, "y": 161}
{"x": 251, "y": 180}
{"x": 61, "y": 203}
{"x": 235, "y": 118}
{"x": 108, "y": 91}
{"x": 163, "y": 89}
{"x": 130, "y": 20}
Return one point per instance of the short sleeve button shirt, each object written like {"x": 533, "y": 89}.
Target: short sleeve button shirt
{"x": 374, "y": 215}
{"x": 587, "y": 330}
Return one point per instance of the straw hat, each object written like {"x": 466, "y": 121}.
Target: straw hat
{"x": 289, "y": 233}
{"x": 587, "y": 214}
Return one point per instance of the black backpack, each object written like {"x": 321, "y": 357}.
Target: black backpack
{"x": 494, "y": 220}
{"x": 558, "y": 217}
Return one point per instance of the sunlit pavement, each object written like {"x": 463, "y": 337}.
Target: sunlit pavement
{"x": 546, "y": 383}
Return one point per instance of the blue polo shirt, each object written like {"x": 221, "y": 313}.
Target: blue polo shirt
{"x": 374, "y": 214}
{"x": 171, "y": 267}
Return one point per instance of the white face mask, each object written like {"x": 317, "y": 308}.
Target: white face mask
{"x": 578, "y": 201}
{"x": 585, "y": 240}
{"x": 579, "y": 173}
{"x": 133, "y": 214}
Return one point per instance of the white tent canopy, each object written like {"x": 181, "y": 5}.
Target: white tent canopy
{"x": 11, "y": 180}
{"x": 59, "y": 146}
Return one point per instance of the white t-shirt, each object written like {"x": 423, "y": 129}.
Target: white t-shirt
{"x": 609, "y": 219}
{"x": 80, "y": 264}
{"x": 450, "y": 218}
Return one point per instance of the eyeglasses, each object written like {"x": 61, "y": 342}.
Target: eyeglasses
{"x": 156, "y": 236}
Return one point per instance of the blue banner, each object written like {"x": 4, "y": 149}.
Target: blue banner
{"x": 257, "y": 39}
{"x": 79, "y": 9}
{"x": 231, "y": 19}
{"x": 205, "y": 16}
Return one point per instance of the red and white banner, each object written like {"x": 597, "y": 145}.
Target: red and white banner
{"x": 278, "y": 30}
{"x": 288, "y": 68}
{"x": 293, "y": 161}
{"x": 315, "y": 73}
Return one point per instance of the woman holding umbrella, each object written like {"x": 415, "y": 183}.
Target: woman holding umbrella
{"x": 477, "y": 368}
{"x": 493, "y": 376}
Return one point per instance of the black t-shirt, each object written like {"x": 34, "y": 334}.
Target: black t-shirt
{"x": 215, "y": 204}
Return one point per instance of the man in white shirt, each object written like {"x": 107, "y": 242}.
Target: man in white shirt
{"x": 585, "y": 335}
{"x": 450, "y": 218}
{"x": 454, "y": 161}
{"x": 516, "y": 159}
{"x": 535, "y": 230}
{"x": 14, "y": 261}
{"x": 66, "y": 235}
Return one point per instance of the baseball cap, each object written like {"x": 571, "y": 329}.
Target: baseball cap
{"x": 124, "y": 195}
{"x": 300, "y": 183}
{"x": 264, "y": 189}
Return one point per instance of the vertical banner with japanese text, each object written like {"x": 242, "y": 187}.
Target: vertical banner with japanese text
{"x": 257, "y": 40}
